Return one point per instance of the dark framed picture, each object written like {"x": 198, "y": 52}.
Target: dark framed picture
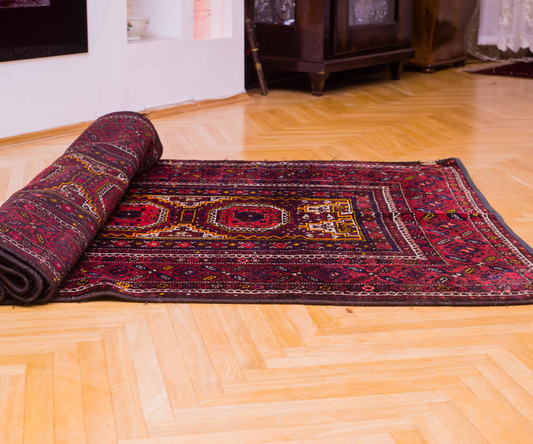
{"x": 23, "y": 3}
{"x": 42, "y": 28}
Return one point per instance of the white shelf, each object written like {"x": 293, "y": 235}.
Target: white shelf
{"x": 212, "y": 18}
{"x": 149, "y": 40}
{"x": 165, "y": 18}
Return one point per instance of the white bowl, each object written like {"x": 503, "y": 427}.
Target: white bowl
{"x": 136, "y": 27}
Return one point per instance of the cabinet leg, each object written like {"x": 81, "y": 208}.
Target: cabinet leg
{"x": 317, "y": 82}
{"x": 396, "y": 69}
{"x": 428, "y": 70}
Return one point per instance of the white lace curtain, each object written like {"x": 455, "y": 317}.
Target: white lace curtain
{"x": 507, "y": 24}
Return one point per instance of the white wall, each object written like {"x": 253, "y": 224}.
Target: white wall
{"x": 116, "y": 75}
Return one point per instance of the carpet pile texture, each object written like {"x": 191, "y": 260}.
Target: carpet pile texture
{"x": 108, "y": 219}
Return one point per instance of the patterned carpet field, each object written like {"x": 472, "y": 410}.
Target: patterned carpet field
{"x": 107, "y": 220}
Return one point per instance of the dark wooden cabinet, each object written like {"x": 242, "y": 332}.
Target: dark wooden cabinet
{"x": 439, "y": 32}
{"x": 323, "y": 36}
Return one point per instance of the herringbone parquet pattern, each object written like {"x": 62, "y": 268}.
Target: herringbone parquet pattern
{"x": 108, "y": 372}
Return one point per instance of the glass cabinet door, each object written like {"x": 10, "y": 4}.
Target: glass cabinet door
{"x": 363, "y": 25}
{"x": 366, "y": 12}
{"x": 275, "y": 12}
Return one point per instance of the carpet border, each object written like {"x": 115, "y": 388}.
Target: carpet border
{"x": 117, "y": 297}
{"x": 489, "y": 207}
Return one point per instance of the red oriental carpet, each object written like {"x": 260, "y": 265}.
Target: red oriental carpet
{"x": 517, "y": 69}
{"x": 346, "y": 233}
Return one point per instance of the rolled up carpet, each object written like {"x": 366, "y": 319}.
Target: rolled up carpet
{"x": 46, "y": 226}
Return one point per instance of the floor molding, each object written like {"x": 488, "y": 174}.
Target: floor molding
{"x": 153, "y": 113}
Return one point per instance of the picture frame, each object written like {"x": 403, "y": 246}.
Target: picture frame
{"x": 42, "y": 28}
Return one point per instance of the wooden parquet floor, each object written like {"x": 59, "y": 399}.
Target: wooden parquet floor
{"x": 108, "y": 372}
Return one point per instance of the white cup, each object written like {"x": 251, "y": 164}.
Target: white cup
{"x": 136, "y": 27}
